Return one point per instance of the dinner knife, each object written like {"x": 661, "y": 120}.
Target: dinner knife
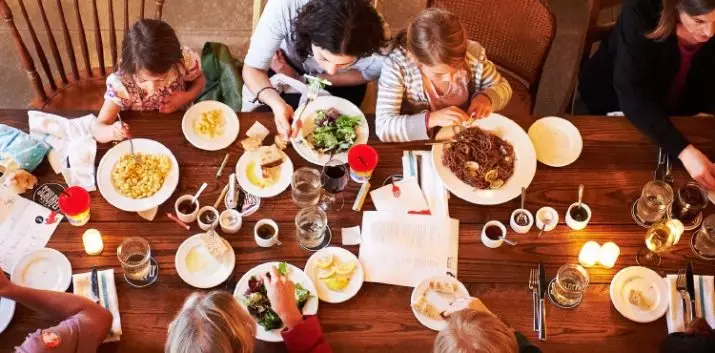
{"x": 690, "y": 287}
{"x": 94, "y": 283}
{"x": 542, "y": 309}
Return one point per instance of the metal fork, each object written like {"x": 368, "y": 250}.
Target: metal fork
{"x": 131, "y": 144}
{"x": 534, "y": 296}
{"x": 681, "y": 286}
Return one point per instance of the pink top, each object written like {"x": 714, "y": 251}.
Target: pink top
{"x": 678, "y": 86}
{"x": 457, "y": 94}
{"x": 131, "y": 94}
{"x": 70, "y": 336}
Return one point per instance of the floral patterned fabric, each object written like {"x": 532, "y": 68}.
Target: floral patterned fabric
{"x": 130, "y": 94}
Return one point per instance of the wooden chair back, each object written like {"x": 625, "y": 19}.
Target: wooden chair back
{"x": 42, "y": 91}
{"x": 517, "y": 34}
{"x": 596, "y": 32}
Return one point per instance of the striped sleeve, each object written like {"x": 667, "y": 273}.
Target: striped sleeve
{"x": 491, "y": 83}
{"x": 391, "y": 125}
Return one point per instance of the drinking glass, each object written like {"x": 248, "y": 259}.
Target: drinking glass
{"x": 334, "y": 178}
{"x": 135, "y": 258}
{"x": 570, "y": 284}
{"x": 655, "y": 199}
{"x": 310, "y": 224}
{"x": 305, "y": 187}
{"x": 692, "y": 198}
{"x": 659, "y": 237}
{"x": 705, "y": 240}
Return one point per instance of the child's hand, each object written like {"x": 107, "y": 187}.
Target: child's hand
{"x": 280, "y": 65}
{"x": 281, "y": 294}
{"x": 447, "y": 117}
{"x": 481, "y": 107}
{"x": 107, "y": 133}
{"x": 174, "y": 102}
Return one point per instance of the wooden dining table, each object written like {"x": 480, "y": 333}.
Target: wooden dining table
{"x": 615, "y": 164}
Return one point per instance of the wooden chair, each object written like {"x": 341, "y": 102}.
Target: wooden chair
{"x": 517, "y": 35}
{"x": 79, "y": 89}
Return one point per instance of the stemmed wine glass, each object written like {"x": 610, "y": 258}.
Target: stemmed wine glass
{"x": 659, "y": 237}
{"x": 334, "y": 178}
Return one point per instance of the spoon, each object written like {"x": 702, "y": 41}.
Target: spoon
{"x": 198, "y": 193}
{"x": 580, "y": 195}
{"x": 546, "y": 219}
{"x": 521, "y": 218}
{"x": 510, "y": 242}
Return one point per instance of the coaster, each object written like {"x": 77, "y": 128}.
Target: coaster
{"x": 326, "y": 241}
{"x": 553, "y": 301}
{"x": 638, "y": 220}
{"x": 692, "y": 225}
{"x": 698, "y": 253}
{"x": 153, "y": 276}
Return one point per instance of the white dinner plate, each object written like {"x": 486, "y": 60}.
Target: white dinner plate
{"x": 652, "y": 288}
{"x": 300, "y": 142}
{"x": 436, "y": 324}
{"x": 7, "y": 311}
{"x": 141, "y": 145}
{"x": 228, "y": 133}
{"x": 44, "y": 268}
{"x": 278, "y": 187}
{"x": 197, "y": 267}
{"x": 524, "y": 165}
{"x": 557, "y": 141}
{"x": 356, "y": 278}
{"x": 294, "y": 274}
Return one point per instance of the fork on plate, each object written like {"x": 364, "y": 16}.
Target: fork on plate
{"x": 682, "y": 289}
{"x": 533, "y": 275}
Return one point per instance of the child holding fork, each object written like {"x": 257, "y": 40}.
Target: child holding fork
{"x": 434, "y": 76}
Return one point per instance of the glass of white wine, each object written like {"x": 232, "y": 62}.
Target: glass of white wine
{"x": 659, "y": 237}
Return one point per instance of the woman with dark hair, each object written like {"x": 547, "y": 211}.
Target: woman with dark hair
{"x": 337, "y": 40}
{"x": 658, "y": 63}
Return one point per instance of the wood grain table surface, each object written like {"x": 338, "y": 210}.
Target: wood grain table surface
{"x": 616, "y": 162}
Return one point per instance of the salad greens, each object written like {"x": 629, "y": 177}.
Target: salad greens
{"x": 256, "y": 300}
{"x": 334, "y": 131}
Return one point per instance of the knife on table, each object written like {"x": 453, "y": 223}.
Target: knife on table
{"x": 542, "y": 286}
{"x": 690, "y": 287}
{"x": 94, "y": 283}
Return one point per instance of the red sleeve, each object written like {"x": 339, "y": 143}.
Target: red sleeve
{"x": 306, "y": 337}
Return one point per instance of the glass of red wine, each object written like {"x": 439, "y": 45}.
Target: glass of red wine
{"x": 334, "y": 178}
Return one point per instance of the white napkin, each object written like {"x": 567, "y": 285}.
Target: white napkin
{"x": 704, "y": 302}
{"x": 351, "y": 236}
{"x": 282, "y": 84}
{"x": 411, "y": 198}
{"x": 107, "y": 297}
{"x": 73, "y": 146}
{"x": 418, "y": 165}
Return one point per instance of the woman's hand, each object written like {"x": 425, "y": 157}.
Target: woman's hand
{"x": 281, "y": 294}
{"x": 447, "y": 117}
{"x": 698, "y": 166}
{"x": 480, "y": 107}
{"x": 280, "y": 65}
{"x": 283, "y": 114}
{"x": 107, "y": 133}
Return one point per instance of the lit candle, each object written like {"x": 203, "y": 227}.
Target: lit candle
{"x": 589, "y": 254}
{"x": 609, "y": 254}
{"x": 92, "y": 240}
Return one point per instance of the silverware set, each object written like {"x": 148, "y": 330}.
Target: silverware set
{"x": 538, "y": 287}
{"x": 685, "y": 284}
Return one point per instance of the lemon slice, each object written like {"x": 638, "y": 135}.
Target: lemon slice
{"x": 326, "y": 262}
{"x": 336, "y": 283}
{"x": 345, "y": 268}
{"x": 326, "y": 274}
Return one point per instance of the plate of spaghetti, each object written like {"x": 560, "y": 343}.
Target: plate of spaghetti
{"x": 487, "y": 162}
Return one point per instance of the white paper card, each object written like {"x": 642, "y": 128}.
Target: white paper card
{"x": 351, "y": 236}
{"x": 23, "y": 227}
{"x": 404, "y": 249}
{"x": 411, "y": 198}
{"x": 258, "y": 131}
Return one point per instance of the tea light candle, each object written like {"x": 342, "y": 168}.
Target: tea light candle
{"x": 609, "y": 254}
{"x": 589, "y": 254}
{"x": 92, "y": 240}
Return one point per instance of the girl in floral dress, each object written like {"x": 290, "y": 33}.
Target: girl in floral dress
{"x": 155, "y": 73}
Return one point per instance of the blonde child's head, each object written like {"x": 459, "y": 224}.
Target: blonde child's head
{"x": 149, "y": 50}
{"x": 211, "y": 323}
{"x": 472, "y": 331}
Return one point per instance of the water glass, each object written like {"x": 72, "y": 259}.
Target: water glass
{"x": 705, "y": 240}
{"x": 310, "y": 224}
{"x": 305, "y": 187}
{"x": 569, "y": 286}
{"x": 692, "y": 198}
{"x": 655, "y": 199}
{"x": 135, "y": 258}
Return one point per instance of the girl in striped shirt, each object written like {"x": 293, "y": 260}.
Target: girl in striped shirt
{"x": 434, "y": 76}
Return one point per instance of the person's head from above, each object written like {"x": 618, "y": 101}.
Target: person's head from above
{"x": 436, "y": 41}
{"x": 474, "y": 331}
{"x": 149, "y": 51}
{"x": 337, "y": 33}
{"x": 692, "y": 20}
{"x": 211, "y": 323}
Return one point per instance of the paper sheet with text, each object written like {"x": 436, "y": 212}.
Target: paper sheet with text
{"x": 23, "y": 227}
{"x": 402, "y": 249}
